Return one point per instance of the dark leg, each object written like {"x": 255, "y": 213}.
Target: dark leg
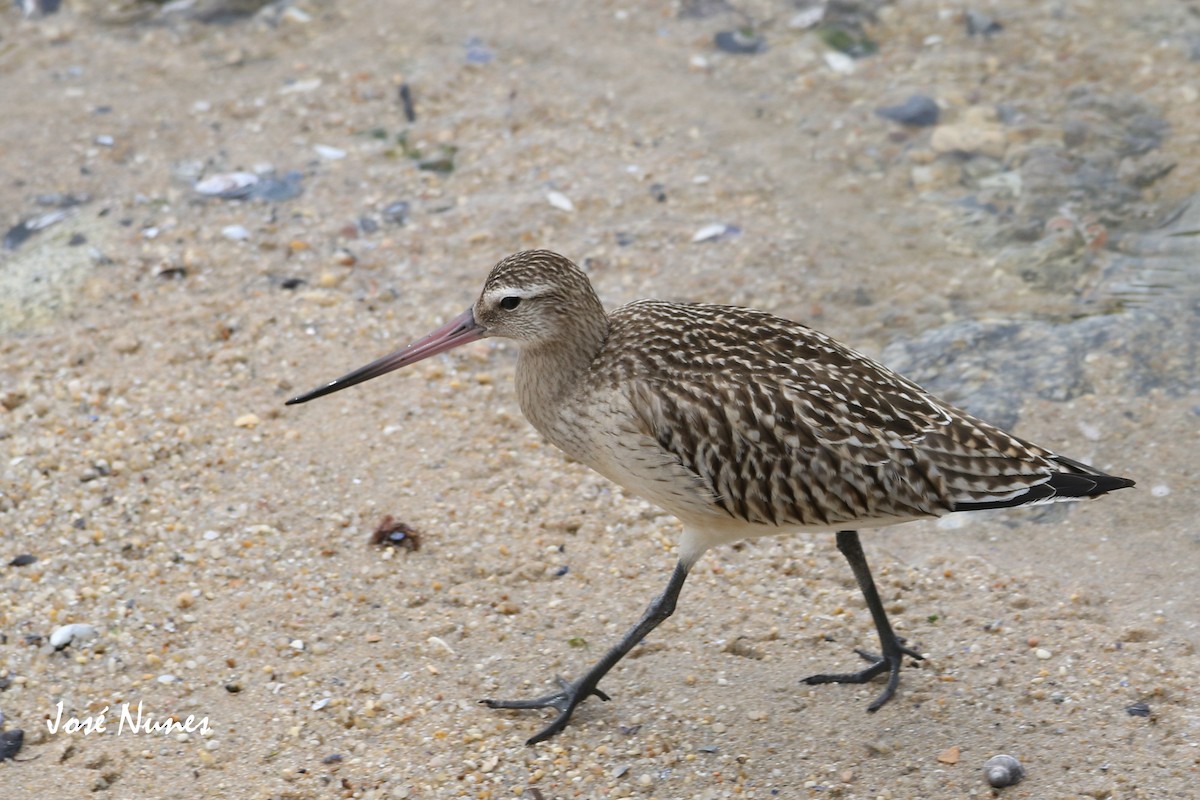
{"x": 575, "y": 692}
{"x": 891, "y": 644}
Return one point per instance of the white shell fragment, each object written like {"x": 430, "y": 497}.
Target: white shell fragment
{"x": 79, "y": 632}
{"x": 227, "y": 184}
{"x": 840, "y": 63}
{"x": 1003, "y": 770}
{"x": 560, "y": 201}
{"x": 718, "y": 230}
{"x": 330, "y": 153}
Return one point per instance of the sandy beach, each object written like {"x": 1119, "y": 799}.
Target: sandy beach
{"x": 212, "y": 208}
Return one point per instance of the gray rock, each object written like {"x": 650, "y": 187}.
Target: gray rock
{"x": 919, "y": 110}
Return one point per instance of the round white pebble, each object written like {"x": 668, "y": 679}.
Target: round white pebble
{"x": 77, "y": 632}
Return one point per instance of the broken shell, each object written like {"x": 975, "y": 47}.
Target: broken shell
{"x": 227, "y": 184}
{"x": 70, "y": 634}
{"x": 1003, "y": 770}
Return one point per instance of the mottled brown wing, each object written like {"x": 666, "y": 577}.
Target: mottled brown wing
{"x": 788, "y": 427}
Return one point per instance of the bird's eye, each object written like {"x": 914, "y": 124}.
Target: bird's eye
{"x": 509, "y": 303}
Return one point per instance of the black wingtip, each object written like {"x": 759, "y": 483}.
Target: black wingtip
{"x": 1080, "y": 480}
{"x": 1077, "y": 482}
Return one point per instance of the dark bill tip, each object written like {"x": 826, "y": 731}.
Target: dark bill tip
{"x": 458, "y": 331}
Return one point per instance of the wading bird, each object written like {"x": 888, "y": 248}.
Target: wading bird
{"x": 741, "y": 424}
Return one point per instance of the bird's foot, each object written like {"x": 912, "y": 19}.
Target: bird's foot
{"x": 890, "y": 662}
{"x": 564, "y": 700}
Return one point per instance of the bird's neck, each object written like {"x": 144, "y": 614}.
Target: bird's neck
{"x": 549, "y": 373}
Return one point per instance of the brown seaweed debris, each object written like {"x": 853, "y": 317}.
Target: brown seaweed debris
{"x": 391, "y": 533}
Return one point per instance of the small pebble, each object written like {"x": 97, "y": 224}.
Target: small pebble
{"x": 105, "y": 141}
{"x": 740, "y": 42}
{"x": 477, "y": 51}
{"x": 406, "y": 102}
{"x": 78, "y": 632}
{"x": 246, "y": 421}
{"x": 919, "y": 111}
{"x": 277, "y": 189}
{"x": 1042, "y": 653}
{"x": 560, "y": 201}
{"x": 10, "y": 743}
{"x": 839, "y": 62}
{"x": 330, "y": 153}
{"x": 715, "y": 232}
{"x": 1003, "y": 770}
{"x": 979, "y": 24}
{"x": 1161, "y": 490}
{"x": 1138, "y": 710}
{"x": 396, "y": 213}
{"x": 23, "y": 560}
{"x": 167, "y": 678}
{"x": 235, "y": 233}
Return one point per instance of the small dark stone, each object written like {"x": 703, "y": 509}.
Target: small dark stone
{"x": 332, "y": 758}
{"x": 406, "y": 102}
{"x": 396, "y": 213}
{"x": 367, "y": 224}
{"x": 17, "y": 235}
{"x": 702, "y": 9}
{"x": 920, "y": 111}
{"x": 62, "y": 199}
{"x": 658, "y": 192}
{"x": 442, "y": 163}
{"x": 233, "y": 687}
{"x": 1138, "y": 710}
{"x": 624, "y": 239}
{"x": 741, "y": 42}
{"x": 477, "y": 51}
{"x": 23, "y": 560}
{"x": 563, "y": 570}
{"x": 32, "y": 9}
{"x": 10, "y": 743}
{"x": 979, "y": 24}
{"x": 292, "y": 283}
{"x": 76, "y": 240}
